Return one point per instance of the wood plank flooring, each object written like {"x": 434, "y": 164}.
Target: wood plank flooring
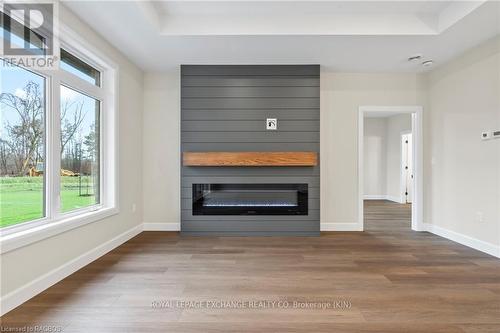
{"x": 387, "y": 279}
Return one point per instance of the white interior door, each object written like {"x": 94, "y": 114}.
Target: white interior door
{"x": 407, "y": 166}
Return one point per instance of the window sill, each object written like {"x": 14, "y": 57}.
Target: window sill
{"x": 23, "y": 238}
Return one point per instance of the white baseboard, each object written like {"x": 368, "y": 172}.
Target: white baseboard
{"x": 33, "y": 288}
{"x": 375, "y": 197}
{"x": 474, "y": 243}
{"x": 161, "y": 226}
{"x": 340, "y": 227}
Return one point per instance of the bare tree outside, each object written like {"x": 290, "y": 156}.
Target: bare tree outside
{"x": 22, "y": 139}
{"x": 69, "y": 127}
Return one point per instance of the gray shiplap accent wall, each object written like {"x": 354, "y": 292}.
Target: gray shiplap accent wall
{"x": 224, "y": 108}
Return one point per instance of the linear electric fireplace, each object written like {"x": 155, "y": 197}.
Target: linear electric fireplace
{"x": 250, "y": 199}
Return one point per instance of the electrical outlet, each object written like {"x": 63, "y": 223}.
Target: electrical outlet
{"x": 134, "y": 208}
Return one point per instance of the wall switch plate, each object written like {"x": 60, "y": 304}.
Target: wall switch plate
{"x": 271, "y": 124}
{"x": 486, "y": 135}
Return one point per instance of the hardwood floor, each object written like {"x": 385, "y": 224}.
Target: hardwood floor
{"x": 387, "y": 279}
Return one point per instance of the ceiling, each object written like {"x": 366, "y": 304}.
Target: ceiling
{"x": 355, "y": 36}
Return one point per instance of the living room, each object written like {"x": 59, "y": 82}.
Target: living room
{"x": 230, "y": 166}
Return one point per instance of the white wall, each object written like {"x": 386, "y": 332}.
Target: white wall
{"x": 161, "y": 151}
{"x": 375, "y": 158}
{"x": 395, "y": 125}
{"x": 341, "y": 96}
{"x": 462, "y": 172}
{"x": 23, "y": 266}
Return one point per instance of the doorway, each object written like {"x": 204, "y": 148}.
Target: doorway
{"x": 403, "y": 163}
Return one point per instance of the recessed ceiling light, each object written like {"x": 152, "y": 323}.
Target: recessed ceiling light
{"x": 427, "y": 63}
{"x": 415, "y": 57}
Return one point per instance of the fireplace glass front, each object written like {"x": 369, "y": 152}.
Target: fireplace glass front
{"x": 250, "y": 199}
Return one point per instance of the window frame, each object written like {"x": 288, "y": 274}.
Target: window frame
{"x": 55, "y": 221}
{"x": 57, "y": 207}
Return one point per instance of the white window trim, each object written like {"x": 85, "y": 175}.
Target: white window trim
{"x": 54, "y": 222}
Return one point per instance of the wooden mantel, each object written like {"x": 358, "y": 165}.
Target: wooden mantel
{"x": 250, "y": 159}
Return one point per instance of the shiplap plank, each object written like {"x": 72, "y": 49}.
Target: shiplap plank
{"x": 249, "y": 92}
{"x": 251, "y": 70}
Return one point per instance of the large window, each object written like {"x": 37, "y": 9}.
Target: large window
{"x": 56, "y": 141}
{"x": 22, "y": 146}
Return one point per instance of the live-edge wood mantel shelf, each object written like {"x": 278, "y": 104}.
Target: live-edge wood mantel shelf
{"x": 250, "y": 159}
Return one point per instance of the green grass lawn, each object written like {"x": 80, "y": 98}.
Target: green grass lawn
{"x": 21, "y": 198}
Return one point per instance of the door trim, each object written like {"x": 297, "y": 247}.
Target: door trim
{"x": 402, "y": 173}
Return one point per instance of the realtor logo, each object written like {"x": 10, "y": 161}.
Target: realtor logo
{"x": 28, "y": 29}
{"x": 30, "y": 34}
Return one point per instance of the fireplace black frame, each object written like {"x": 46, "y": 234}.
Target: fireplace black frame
{"x": 233, "y": 199}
